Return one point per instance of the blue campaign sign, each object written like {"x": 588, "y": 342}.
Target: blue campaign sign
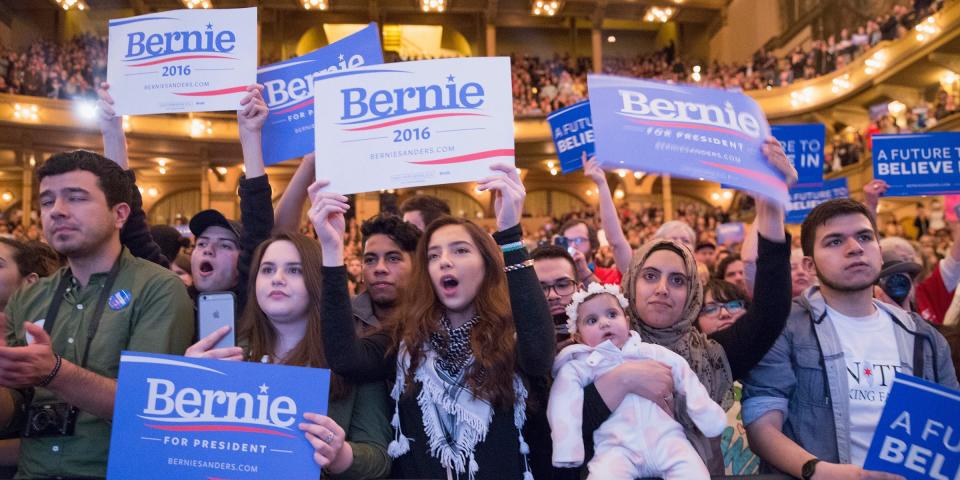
{"x": 919, "y": 431}
{"x": 192, "y": 418}
{"x": 572, "y": 130}
{"x": 804, "y": 198}
{"x": 728, "y": 233}
{"x": 288, "y": 91}
{"x": 803, "y": 145}
{"x": 690, "y": 132}
{"x": 918, "y": 164}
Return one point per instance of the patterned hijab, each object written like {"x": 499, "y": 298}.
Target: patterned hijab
{"x": 705, "y": 356}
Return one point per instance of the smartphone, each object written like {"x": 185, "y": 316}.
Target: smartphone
{"x": 214, "y": 310}
{"x": 561, "y": 241}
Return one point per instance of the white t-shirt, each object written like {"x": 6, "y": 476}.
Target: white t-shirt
{"x": 870, "y": 351}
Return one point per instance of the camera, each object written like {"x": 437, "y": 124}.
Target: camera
{"x": 896, "y": 286}
{"x": 50, "y": 420}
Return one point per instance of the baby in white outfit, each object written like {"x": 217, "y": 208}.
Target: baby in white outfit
{"x": 639, "y": 439}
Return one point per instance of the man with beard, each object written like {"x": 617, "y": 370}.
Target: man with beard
{"x": 388, "y": 246}
{"x": 556, "y": 271}
{"x": 65, "y": 332}
{"x": 812, "y": 404}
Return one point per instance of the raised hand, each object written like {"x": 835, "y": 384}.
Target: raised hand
{"x": 591, "y": 168}
{"x": 326, "y": 212}
{"x": 777, "y": 158}
{"x": 204, "y": 347}
{"x": 509, "y": 194}
{"x": 107, "y": 117}
{"x": 253, "y": 112}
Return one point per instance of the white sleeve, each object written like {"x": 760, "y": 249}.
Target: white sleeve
{"x": 950, "y": 272}
{"x": 565, "y": 414}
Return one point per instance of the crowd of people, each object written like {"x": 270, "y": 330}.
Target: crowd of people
{"x": 46, "y": 69}
{"x": 617, "y": 345}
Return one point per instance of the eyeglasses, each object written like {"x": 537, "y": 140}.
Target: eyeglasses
{"x": 577, "y": 240}
{"x": 732, "y": 307}
{"x": 563, "y": 287}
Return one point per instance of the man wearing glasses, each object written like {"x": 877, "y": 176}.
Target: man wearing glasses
{"x": 557, "y": 273}
{"x": 583, "y": 241}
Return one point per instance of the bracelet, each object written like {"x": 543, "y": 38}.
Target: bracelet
{"x": 518, "y": 266}
{"x": 512, "y": 247}
{"x": 53, "y": 373}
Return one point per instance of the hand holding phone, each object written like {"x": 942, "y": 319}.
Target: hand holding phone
{"x": 215, "y": 310}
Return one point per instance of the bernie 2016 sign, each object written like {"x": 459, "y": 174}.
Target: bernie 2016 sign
{"x": 572, "y": 131}
{"x": 690, "y": 132}
{"x": 288, "y": 91}
{"x": 918, "y": 164}
{"x": 191, "y": 418}
{"x": 919, "y": 431}
{"x": 182, "y": 60}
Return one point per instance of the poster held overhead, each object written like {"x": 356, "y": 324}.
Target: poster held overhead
{"x": 691, "y": 132}
{"x": 414, "y": 123}
{"x": 182, "y": 60}
{"x": 288, "y": 91}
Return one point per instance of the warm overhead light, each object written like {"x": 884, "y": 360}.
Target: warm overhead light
{"x": 554, "y": 171}
{"x": 68, "y": 4}
{"x": 896, "y": 107}
{"x": 433, "y": 5}
{"x": 153, "y": 192}
{"x": 612, "y": 39}
{"x": 927, "y": 29}
{"x": 548, "y": 8}
{"x": 162, "y": 170}
{"x": 841, "y": 84}
{"x": 658, "y": 14}
{"x": 221, "y": 170}
{"x": 948, "y": 79}
{"x": 638, "y": 175}
{"x": 589, "y": 193}
{"x": 803, "y": 97}
{"x": 727, "y": 194}
{"x": 314, "y": 4}
{"x": 7, "y": 196}
{"x": 622, "y": 173}
{"x": 197, "y": 3}
{"x": 126, "y": 123}
{"x": 875, "y": 63}
{"x": 162, "y": 162}
{"x": 87, "y": 110}
{"x": 200, "y": 127}
{"x": 618, "y": 194}
{"x": 550, "y": 164}
{"x": 715, "y": 196}
{"x": 26, "y": 112}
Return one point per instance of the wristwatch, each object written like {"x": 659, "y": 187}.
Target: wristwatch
{"x": 809, "y": 468}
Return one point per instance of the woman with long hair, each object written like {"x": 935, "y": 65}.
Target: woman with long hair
{"x": 283, "y": 326}
{"x": 665, "y": 299}
{"x": 461, "y": 354}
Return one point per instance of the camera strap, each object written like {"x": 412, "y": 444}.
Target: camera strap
{"x": 51, "y": 317}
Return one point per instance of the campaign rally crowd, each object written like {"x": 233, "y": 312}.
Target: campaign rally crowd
{"x": 460, "y": 354}
{"x": 617, "y": 341}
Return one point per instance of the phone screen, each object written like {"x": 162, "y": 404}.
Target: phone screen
{"x": 560, "y": 241}
{"x": 214, "y": 311}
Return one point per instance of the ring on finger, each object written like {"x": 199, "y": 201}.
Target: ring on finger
{"x": 328, "y": 438}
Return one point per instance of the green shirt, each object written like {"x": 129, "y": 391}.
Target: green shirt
{"x": 157, "y": 317}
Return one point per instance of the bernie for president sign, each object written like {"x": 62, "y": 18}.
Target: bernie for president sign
{"x": 195, "y": 418}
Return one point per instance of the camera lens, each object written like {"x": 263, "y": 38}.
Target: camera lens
{"x": 42, "y": 420}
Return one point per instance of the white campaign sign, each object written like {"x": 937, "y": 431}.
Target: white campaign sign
{"x": 182, "y": 60}
{"x": 413, "y": 123}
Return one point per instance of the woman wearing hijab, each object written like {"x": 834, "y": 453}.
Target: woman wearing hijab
{"x": 665, "y": 298}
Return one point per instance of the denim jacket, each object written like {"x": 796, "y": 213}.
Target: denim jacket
{"x": 805, "y": 372}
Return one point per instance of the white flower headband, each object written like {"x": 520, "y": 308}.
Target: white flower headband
{"x": 581, "y": 295}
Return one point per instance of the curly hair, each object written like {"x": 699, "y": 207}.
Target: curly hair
{"x": 493, "y": 338}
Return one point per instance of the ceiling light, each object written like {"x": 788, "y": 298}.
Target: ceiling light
{"x": 197, "y": 3}
{"x": 314, "y": 4}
